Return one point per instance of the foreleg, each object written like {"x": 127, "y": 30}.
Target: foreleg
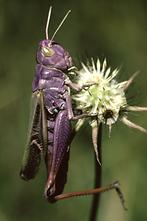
{"x": 70, "y": 111}
{"x": 76, "y": 86}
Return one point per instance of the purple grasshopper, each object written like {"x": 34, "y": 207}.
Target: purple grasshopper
{"x": 50, "y": 131}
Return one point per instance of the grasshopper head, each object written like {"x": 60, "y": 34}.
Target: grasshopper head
{"x": 52, "y": 54}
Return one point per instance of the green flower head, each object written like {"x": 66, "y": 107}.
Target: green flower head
{"x": 104, "y": 97}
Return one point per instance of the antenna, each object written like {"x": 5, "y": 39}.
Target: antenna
{"x": 59, "y": 26}
{"x": 48, "y": 21}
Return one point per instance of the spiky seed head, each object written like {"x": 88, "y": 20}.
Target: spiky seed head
{"x": 105, "y": 97}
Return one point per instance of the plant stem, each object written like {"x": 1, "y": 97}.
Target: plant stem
{"x": 97, "y": 182}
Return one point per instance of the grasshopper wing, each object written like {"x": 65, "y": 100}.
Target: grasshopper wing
{"x": 32, "y": 154}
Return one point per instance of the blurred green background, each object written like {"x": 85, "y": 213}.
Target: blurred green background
{"x": 113, "y": 29}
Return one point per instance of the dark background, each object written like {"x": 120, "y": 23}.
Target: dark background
{"x": 113, "y": 29}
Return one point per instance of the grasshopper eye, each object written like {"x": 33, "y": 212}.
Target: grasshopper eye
{"x": 48, "y": 52}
